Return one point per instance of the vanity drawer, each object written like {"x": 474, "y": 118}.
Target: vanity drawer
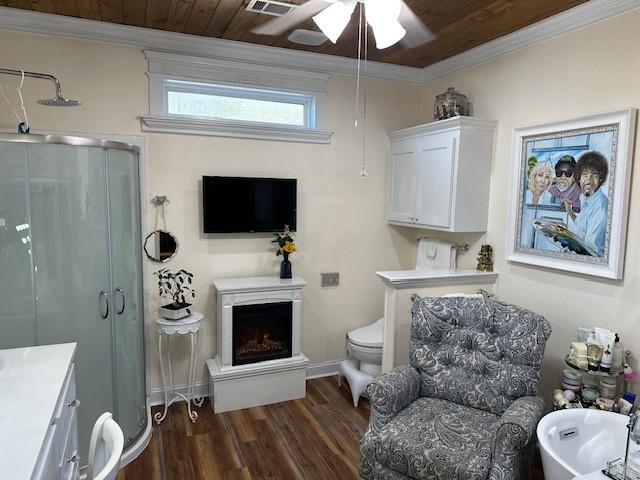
{"x": 65, "y": 410}
{"x": 61, "y": 436}
{"x": 70, "y": 457}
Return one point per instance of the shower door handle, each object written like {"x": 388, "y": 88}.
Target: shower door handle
{"x": 121, "y": 292}
{"x": 104, "y": 295}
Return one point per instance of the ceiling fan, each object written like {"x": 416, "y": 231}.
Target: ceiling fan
{"x": 392, "y": 21}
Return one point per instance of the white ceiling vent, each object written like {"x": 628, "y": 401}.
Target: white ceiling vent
{"x": 270, "y": 7}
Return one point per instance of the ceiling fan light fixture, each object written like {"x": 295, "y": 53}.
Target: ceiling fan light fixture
{"x": 388, "y": 33}
{"x": 333, "y": 19}
{"x": 379, "y": 11}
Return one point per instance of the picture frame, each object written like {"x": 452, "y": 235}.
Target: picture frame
{"x": 569, "y": 197}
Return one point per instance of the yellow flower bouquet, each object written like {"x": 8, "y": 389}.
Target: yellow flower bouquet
{"x": 285, "y": 246}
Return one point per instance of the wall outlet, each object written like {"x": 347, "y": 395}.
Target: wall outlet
{"x": 330, "y": 279}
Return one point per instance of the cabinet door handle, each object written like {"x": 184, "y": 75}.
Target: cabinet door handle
{"x": 104, "y": 295}
{"x": 74, "y": 403}
{"x": 121, "y": 292}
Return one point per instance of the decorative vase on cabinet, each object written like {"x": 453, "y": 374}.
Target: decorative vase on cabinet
{"x": 439, "y": 175}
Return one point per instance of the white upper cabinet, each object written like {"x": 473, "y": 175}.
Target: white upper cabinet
{"x": 439, "y": 175}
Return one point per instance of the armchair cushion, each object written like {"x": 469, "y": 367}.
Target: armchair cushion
{"x": 438, "y": 440}
{"x": 477, "y": 352}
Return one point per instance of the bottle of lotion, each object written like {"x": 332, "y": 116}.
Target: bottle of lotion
{"x": 617, "y": 356}
{"x": 605, "y": 363}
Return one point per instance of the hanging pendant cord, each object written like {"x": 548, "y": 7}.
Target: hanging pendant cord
{"x": 363, "y": 170}
{"x": 358, "y": 74}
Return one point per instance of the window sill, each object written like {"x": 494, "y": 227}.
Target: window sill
{"x": 232, "y": 129}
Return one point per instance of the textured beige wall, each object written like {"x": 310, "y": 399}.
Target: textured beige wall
{"x": 589, "y": 71}
{"x": 341, "y": 216}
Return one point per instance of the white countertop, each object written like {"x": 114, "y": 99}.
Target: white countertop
{"x": 31, "y": 380}
{"x": 257, "y": 284}
{"x": 436, "y": 277}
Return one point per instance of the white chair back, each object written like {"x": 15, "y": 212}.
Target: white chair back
{"x": 105, "y": 449}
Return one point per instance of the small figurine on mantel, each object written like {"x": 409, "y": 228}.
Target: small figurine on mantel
{"x": 485, "y": 260}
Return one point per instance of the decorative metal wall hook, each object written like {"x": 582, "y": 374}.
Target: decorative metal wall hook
{"x": 159, "y": 201}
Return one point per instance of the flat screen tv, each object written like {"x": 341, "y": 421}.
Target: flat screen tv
{"x": 242, "y": 205}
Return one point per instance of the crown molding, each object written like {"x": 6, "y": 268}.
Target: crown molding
{"x": 148, "y": 39}
{"x": 577, "y": 17}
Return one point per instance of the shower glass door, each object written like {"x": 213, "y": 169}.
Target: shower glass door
{"x": 70, "y": 244}
{"x": 17, "y": 320}
{"x": 71, "y": 267}
{"x": 126, "y": 264}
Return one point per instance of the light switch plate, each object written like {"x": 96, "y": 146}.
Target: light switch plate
{"x": 330, "y": 279}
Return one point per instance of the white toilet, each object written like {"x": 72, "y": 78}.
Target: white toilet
{"x": 364, "y": 362}
{"x": 365, "y": 344}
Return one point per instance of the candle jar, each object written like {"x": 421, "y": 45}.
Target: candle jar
{"x": 450, "y": 104}
{"x": 589, "y": 389}
{"x": 608, "y": 387}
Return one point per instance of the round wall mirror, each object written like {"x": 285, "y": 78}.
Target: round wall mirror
{"x": 161, "y": 246}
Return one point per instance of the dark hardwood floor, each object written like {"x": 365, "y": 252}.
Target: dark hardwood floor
{"x": 312, "y": 438}
{"x": 315, "y": 438}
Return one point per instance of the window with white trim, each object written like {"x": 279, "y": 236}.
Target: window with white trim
{"x": 245, "y": 104}
{"x": 225, "y": 98}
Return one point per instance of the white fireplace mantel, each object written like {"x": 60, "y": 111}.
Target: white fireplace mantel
{"x": 241, "y": 386}
{"x": 226, "y": 286}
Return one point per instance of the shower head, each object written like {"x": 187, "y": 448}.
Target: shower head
{"x": 59, "y": 101}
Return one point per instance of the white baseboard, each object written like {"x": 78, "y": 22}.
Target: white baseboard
{"x": 317, "y": 370}
{"x": 324, "y": 369}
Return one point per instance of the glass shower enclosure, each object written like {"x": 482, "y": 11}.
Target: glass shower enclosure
{"x": 71, "y": 266}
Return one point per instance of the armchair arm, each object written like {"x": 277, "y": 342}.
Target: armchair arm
{"x": 391, "y": 393}
{"x": 388, "y": 395}
{"x": 512, "y": 446}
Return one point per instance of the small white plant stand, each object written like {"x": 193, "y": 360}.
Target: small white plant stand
{"x": 166, "y": 329}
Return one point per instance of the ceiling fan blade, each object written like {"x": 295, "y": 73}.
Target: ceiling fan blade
{"x": 298, "y": 15}
{"x": 417, "y": 32}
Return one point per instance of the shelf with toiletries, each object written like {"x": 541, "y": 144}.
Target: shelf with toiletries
{"x": 599, "y": 376}
{"x": 597, "y": 373}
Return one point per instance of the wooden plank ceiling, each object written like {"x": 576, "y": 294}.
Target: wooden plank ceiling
{"x": 459, "y": 24}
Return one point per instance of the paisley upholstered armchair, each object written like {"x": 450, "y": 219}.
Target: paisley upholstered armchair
{"x": 465, "y": 407}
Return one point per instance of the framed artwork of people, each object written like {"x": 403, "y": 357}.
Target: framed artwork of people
{"x": 570, "y": 194}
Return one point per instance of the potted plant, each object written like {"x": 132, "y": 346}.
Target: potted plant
{"x": 177, "y": 286}
{"x": 285, "y": 247}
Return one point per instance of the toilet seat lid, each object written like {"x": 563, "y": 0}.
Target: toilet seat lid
{"x": 368, "y": 336}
